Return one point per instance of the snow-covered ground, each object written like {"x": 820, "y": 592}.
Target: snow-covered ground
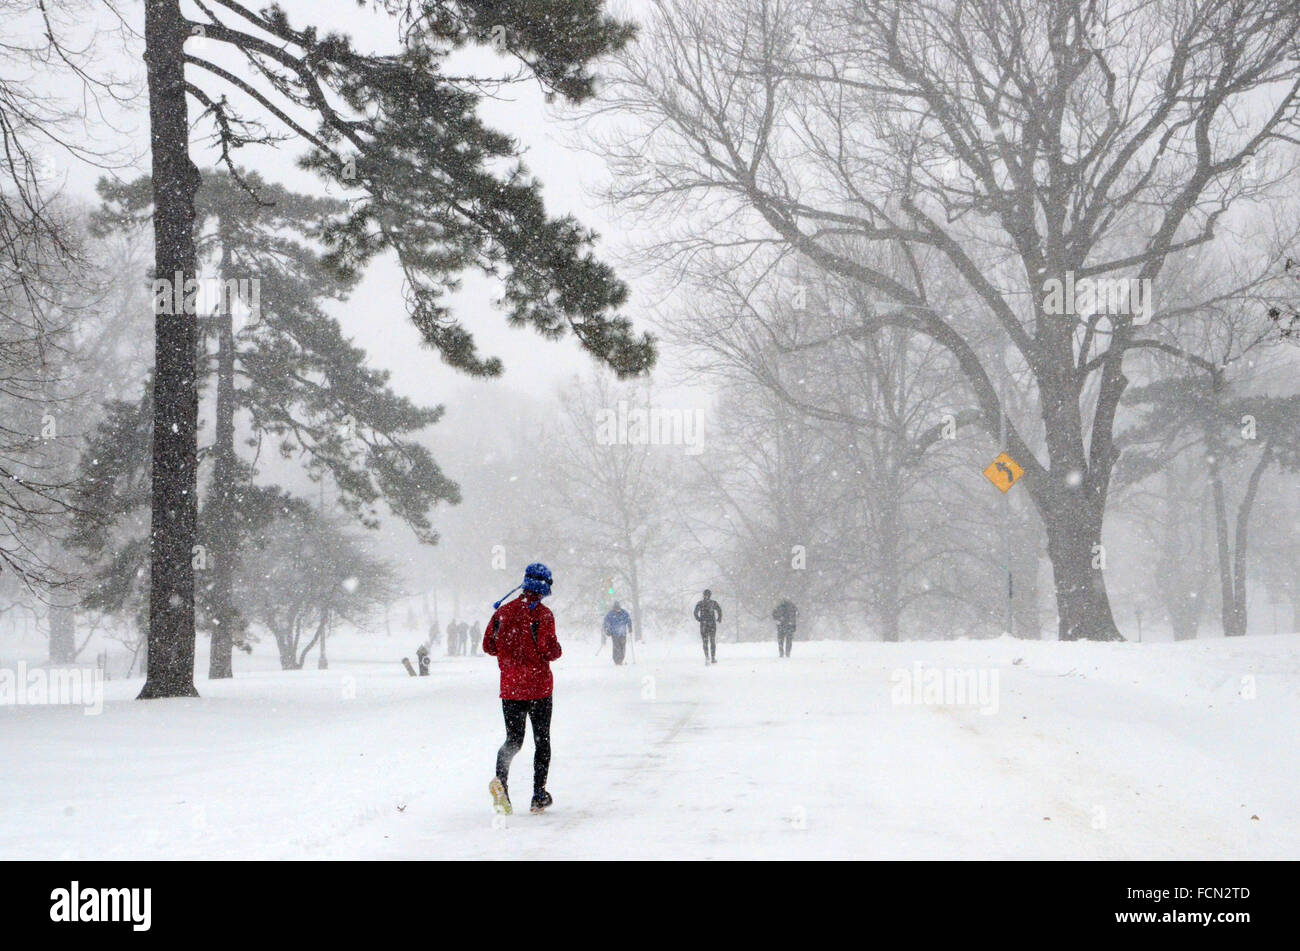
{"x": 1074, "y": 750}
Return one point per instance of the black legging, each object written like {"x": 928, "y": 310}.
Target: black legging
{"x": 709, "y": 635}
{"x": 783, "y": 641}
{"x": 516, "y": 713}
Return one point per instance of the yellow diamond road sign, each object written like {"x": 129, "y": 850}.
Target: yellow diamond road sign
{"x": 1004, "y": 472}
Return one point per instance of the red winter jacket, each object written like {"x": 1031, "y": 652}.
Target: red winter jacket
{"x": 523, "y": 652}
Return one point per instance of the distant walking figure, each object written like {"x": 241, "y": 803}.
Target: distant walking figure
{"x": 785, "y": 614}
{"x": 709, "y": 613}
{"x": 617, "y": 624}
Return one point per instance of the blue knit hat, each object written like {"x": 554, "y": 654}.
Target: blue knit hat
{"x": 537, "y": 580}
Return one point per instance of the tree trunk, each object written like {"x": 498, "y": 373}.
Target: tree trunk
{"x": 1072, "y": 513}
{"x": 174, "y": 489}
{"x": 1238, "y": 589}
{"x": 1226, "y": 596}
{"x": 223, "y": 531}
{"x": 1082, "y": 605}
{"x": 1242, "y": 543}
{"x": 284, "y": 642}
{"x": 63, "y": 634}
{"x": 318, "y": 636}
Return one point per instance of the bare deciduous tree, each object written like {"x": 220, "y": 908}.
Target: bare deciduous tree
{"x": 1032, "y": 143}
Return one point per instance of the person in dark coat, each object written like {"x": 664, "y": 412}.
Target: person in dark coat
{"x": 709, "y": 613}
{"x": 785, "y": 614}
{"x": 617, "y": 625}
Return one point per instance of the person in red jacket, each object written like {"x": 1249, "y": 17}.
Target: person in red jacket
{"x": 521, "y": 635}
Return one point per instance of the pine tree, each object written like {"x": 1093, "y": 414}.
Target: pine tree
{"x": 279, "y": 357}
{"x": 433, "y": 185}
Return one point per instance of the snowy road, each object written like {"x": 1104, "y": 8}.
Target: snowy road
{"x": 1126, "y": 751}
